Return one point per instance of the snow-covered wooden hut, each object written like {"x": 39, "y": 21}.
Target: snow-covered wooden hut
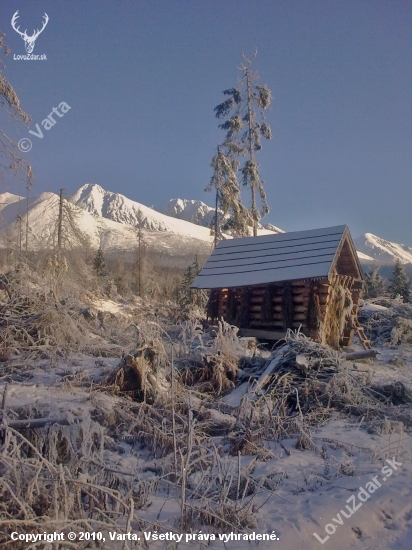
{"x": 267, "y": 284}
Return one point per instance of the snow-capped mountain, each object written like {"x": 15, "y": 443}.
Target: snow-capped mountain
{"x": 364, "y": 258}
{"x": 8, "y": 198}
{"x": 198, "y": 212}
{"x": 176, "y": 217}
{"x": 118, "y": 208}
{"x": 190, "y": 210}
{"x": 110, "y": 219}
{"x": 381, "y": 251}
{"x": 169, "y": 236}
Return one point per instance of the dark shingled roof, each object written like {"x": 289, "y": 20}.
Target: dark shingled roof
{"x": 272, "y": 258}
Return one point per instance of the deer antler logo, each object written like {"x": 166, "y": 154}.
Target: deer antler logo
{"x": 29, "y": 41}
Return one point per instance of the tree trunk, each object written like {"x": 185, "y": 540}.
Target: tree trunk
{"x": 60, "y": 222}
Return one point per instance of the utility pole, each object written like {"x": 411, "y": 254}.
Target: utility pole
{"x": 142, "y": 253}
{"x": 19, "y": 220}
{"x": 60, "y": 222}
{"x": 27, "y": 218}
{"x": 139, "y": 267}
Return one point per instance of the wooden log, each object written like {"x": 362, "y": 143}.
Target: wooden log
{"x": 255, "y": 298}
{"x": 348, "y": 334}
{"x": 33, "y": 423}
{"x": 265, "y": 376}
{"x": 258, "y": 309}
{"x": 357, "y": 285}
{"x": 365, "y": 354}
{"x": 323, "y": 300}
{"x": 267, "y": 326}
{"x": 257, "y": 293}
{"x": 277, "y": 327}
{"x": 324, "y": 286}
{"x": 274, "y": 321}
{"x": 263, "y": 334}
{"x": 299, "y": 317}
{"x": 300, "y": 290}
{"x": 301, "y": 300}
{"x": 355, "y": 299}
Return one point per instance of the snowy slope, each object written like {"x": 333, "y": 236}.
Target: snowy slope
{"x": 8, "y": 198}
{"x": 193, "y": 211}
{"x": 110, "y": 219}
{"x": 43, "y": 213}
{"x": 383, "y": 252}
{"x": 364, "y": 258}
{"x": 118, "y": 208}
{"x": 175, "y": 217}
{"x": 198, "y": 212}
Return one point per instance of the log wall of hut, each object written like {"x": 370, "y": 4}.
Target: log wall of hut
{"x": 326, "y": 310}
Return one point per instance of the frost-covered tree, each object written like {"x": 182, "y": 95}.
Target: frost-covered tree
{"x": 10, "y": 159}
{"x": 99, "y": 265}
{"x": 9, "y": 152}
{"x": 230, "y": 214}
{"x": 67, "y": 248}
{"x": 375, "y": 283}
{"x": 245, "y": 126}
{"x": 191, "y": 296}
{"x": 65, "y": 233}
{"x": 399, "y": 283}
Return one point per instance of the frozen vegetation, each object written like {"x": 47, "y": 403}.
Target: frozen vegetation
{"x": 133, "y": 416}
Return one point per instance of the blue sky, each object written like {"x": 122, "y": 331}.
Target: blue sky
{"x": 142, "y": 79}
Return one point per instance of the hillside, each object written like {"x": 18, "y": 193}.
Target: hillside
{"x": 174, "y": 238}
{"x": 198, "y": 212}
{"x": 382, "y": 251}
{"x": 193, "y": 211}
{"x": 180, "y": 228}
{"x": 118, "y": 208}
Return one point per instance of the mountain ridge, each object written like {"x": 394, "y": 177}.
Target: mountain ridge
{"x": 198, "y": 212}
{"x": 101, "y": 231}
{"x": 383, "y": 252}
{"x": 110, "y": 219}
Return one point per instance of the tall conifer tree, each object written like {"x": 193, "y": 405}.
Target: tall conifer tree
{"x": 244, "y": 128}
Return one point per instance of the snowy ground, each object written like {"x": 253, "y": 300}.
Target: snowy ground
{"x": 301, "y": 492}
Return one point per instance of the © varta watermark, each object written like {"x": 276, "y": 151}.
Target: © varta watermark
{"x": 363, "y": 496}
{"x": 29, "y": 41}
{"x": 25, "y": 144}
